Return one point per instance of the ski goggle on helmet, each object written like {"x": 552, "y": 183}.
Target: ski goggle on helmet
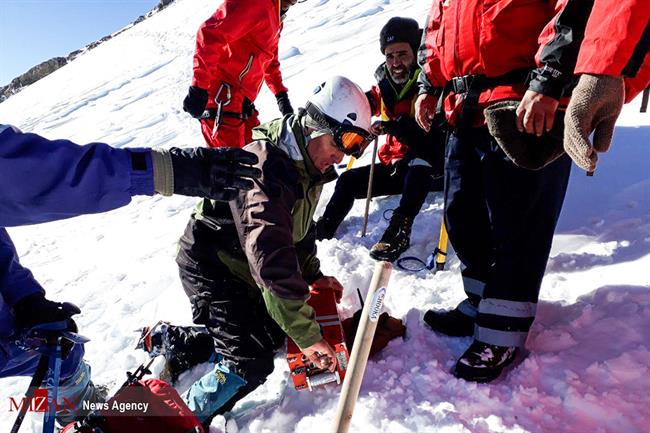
{"x": 341, "y": 107}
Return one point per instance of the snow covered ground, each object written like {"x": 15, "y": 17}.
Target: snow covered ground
{"x": 588, "y": 370}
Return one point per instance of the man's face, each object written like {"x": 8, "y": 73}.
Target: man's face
{"x": 286, "y": 4}
{"x": 323, "y": 152}
{"x": 400, "y": 59}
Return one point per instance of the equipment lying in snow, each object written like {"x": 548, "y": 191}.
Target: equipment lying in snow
{"x": 436, "y": 260}
{"x": 145, "y": 406}
{"x": 341, "y": 336}
{"x": 305, "y": 374}
{"x": 53, "y": 341}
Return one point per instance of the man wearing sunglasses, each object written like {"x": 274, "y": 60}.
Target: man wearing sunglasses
{"x": 411, "y": 159}
{"x": 248, "y": 266}
{"x": 236, "y": 50}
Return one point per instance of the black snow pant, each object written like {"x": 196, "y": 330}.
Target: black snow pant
{"x": 233, "y": 311}
{"x": 500, "y": 219}
{"x": 412, "y": 180}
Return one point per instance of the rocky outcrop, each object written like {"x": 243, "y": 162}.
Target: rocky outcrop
{"x": 32, "y": 76}
{"x": 49, "y": 66}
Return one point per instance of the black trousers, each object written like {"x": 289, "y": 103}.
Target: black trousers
{"x": 233, "y": 311}
{"x": 412, "y": 181}
{"x": 500, "y": 219}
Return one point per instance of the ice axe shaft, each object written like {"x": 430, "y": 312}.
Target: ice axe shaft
{"x": 441, "y": 251}
{"x": 369, "y": 194}
{"x": 362, "y": 345}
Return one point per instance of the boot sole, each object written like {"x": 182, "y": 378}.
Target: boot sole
{"x": 382, "y": 258}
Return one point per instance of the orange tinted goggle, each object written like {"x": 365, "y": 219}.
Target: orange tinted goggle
{"x": 352, "y": 142}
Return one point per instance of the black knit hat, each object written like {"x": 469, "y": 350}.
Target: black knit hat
{"x": 399, "y": 29}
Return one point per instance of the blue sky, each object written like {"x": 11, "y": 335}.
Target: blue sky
{"x": 32, "y": 31}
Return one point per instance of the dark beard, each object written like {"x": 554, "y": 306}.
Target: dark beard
{"x": 404, "y": 80}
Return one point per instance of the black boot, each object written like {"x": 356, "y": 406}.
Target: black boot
{"x": 452, "y": 323}
{"x": 396, "y": 239}
{"x": 484, "y": 362}
{"x": 182, "y": 346}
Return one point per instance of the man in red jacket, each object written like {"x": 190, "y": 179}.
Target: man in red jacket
{"x": 411, "y": 160}
{"x": 236, "y": 49}
{"x": 500, "y": 217}
{"x": 613, "y": 69}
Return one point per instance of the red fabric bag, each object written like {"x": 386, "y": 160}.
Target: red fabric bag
{"x": 146, "y": 406}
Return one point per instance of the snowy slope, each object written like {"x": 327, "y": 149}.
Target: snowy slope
{"x": 588, "y": 370}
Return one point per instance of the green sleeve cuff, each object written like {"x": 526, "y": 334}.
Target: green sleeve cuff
{"x": 296, "y": 318}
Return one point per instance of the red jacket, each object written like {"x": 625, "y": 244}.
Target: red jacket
{"x": 614, "y": 43}
{"x": 389, "y": 105}
{"x": 239, "y": 45}
{"x": 405, "y": 140}
{"x": 494, "y": 37}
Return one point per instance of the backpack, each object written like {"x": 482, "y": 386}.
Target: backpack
{"x": 143, "y": 406}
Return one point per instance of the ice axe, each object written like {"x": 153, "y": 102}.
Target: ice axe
{"x": 361, "y": 349}
{"x": 369, "y": 194}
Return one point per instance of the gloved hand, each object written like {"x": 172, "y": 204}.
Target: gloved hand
{"x": 328, "y": 283}
{"x": 595, "y": 105}
{"x": 35, "y": 310}
{"x": 283, "y": 103}
{"x": 195, "y": 101}
{"x": 214, "y": 173}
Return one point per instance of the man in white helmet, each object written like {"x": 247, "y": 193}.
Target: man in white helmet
{"x": 248, "y": 266}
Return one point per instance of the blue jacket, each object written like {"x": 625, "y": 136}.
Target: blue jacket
{"x": 45, "y": 180}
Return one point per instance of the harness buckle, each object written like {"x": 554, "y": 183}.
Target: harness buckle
{"x": 462, "y": 84}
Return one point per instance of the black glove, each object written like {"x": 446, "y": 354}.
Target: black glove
{"x": 195, "y": 101}
{"x": 34, "y": 310}
{"x": 283, "y": 103}
{"x": 215, "y": 173}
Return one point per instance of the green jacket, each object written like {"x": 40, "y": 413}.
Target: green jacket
{"x": 273, "y": 221}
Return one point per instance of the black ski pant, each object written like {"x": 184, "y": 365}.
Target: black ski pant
{"x": 412, "y": 180}
{"x": 233, "y": 311}
{"x": 500, "y": 219}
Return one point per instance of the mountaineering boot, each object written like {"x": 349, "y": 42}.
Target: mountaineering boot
{"x": 484, "y": 362}
{"x": 182, "y": 346}
{"x": 396, "y": 239}
{"x": 453, "y": 323}
{"x": 215, "y": 389}
{"x": 77, "y": 394}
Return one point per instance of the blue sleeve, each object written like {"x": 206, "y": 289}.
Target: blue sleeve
{"x": 45, "y": 180}
{"x": 16, "y": 282}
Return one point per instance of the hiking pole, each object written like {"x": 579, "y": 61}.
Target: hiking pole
{"x": 37, "y": 380}
{"x": 361, "y": 349}
{"x": 49, "y": 364}
{"x": 369, "y": 195}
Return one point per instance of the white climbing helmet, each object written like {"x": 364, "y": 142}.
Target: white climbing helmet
{"x": 341, "y": 107}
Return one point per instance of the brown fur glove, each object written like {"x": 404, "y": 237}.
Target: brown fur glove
{"x": 525, "y": 150}
{"x": 388, "y": 328}
{"x": 595, "y": 105}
